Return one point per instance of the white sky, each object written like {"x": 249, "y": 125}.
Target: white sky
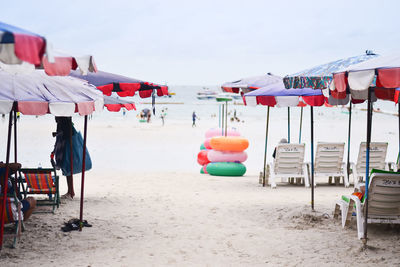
{"x": 210, "y": 42}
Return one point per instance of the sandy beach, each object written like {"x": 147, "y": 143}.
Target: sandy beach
{"x": 150, "y": 206}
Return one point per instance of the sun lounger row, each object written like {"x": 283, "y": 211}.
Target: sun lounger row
{"x": 289, "y": 163}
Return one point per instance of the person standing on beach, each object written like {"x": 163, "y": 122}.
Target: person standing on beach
{"x": 163, "y": 115}
{"x": 63, "y": 136}
{"x": 194, "y": 117}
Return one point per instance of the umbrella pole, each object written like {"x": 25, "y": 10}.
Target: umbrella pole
{"x": 301, "y": 124}
{"x": 265, "y": 151}
{"x": 288, "y": 124}
{"x": 369, "y": 122}
{"x": 312, "y": 158}
{"x": 15, "y": 136}
{"x": 222, "y": 119}
{"x": 83, "y": 175}
{"x": 226, "y": 119}
{"x": 219, "y": 116}
{"x": 348, "y": 142}
{"x": 71, "y": 159}
{"x": 5, "y": 180}
{"x": 398, "y": 155}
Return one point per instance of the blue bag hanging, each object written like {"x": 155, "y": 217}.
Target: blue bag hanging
{"x": 77, "y": 155}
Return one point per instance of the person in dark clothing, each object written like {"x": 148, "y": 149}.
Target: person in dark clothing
{"x": 28, "y": 204}
{"x": 194, "y": 117}
{"x": 63, "y": 136}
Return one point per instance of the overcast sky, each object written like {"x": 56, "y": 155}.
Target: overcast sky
{"x": 210, "y": 42}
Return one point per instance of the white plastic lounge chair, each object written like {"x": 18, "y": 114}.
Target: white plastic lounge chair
{"x": 377, "y": 157}
{"x": 289, "y": 163}
{"x": 383, "y": 203}
{"x": 329, "y": 162}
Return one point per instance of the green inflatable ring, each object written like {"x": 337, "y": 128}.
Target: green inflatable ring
{"x": 202, "y": 147}
{"x": 226, "y": 169}
{"x": 201, "y": 170}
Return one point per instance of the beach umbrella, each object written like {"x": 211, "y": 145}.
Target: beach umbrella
{"x": 276, "y": 94}
{"x": 248, "y": 84}
{"x": 379, "y": 77}
{"x": 115, "y": 104}
{"x": 22, "y": 51}
{"x": 36, "y": 93}
{"x": 320, "y": 77}
{"x": 123, "y": 86}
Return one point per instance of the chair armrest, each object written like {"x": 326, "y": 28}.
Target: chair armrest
{"x": 357, "y": 201}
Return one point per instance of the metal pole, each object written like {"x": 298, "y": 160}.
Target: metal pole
{"x": 83, "y": 174}
{"x": 219, "y": 116}
{"x": 312, "y": 158}
{"x": 222, "y": 121}
{"x": 15, "y": 136}
{"x": 348, "y": 142}
{"x": 301, "y": 124}
{"x": 265, "y": 151}
{"x": 369, "y": 122}
{"x": 5, "y": 181}
{"x": 71, "y": 157}
{"x": 398, "y": 155}
{"x": 226, "y": 118}
{"x": 288, "y": 124}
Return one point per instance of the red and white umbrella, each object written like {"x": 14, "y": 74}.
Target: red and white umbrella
{"x": 248, "y": 84}
{"x": 376, "y": 78}
{"x": 22, "y": 51}
{"x": 36, "y": 93}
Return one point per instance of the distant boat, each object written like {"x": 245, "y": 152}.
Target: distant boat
{"x": 206, "y": 94}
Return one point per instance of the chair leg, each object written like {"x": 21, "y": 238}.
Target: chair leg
{"x": 272, "y": 175}
{"x": 349, "y": 213}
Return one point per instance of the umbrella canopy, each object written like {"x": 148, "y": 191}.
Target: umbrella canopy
{"x": 381, "y": 73}
{"x": 320, "y": 77}
{"x": 277, "y": 94}
{"x": 250, "y": 83}
{"x": 21, "y": 50}
{"x": 38, "y": 94}
{"x": 115, "y": 104}
{"x": 123, "y": 86}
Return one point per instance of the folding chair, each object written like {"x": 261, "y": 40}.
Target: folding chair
{"x": 41, "y": 181}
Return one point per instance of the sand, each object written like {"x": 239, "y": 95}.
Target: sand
{"x": 150, "y": 206}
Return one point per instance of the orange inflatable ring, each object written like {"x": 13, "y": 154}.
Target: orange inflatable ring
{"x": 229, "y": 143}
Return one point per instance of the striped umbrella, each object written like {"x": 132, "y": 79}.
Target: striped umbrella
{"x": 320, "y": 77}
{"x": 276, "y": 93}
{"x": 22, "y": 51}
{"x": 248, "y": 84}
{"x": 380, "y": 78}
{"x": 123, "y": 86}
{"x": 36, "y": 93}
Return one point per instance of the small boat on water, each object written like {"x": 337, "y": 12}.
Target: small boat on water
{"x": 206, "y": 93}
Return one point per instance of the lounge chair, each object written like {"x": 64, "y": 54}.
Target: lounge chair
{"x": 329, "y": 162}
{"x": 42, "y": 181}
{"x": 377, "y": 157}
{"x": 383, "y": 202}
{"x": 13, "y": 215}
{"x": 288, "y": 164}
{"x": 12, "y": 212}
